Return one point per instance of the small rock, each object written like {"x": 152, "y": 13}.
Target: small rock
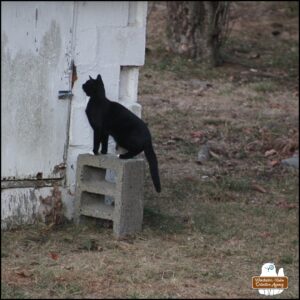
{"x": 196, "y": 83}
{"x": 254, "y": 55}
{"x": 198, "y": 92}
{"x": 292, "y": 161}
{"x": 203, "y": 154}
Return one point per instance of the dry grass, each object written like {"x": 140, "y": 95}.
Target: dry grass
{"x": 215, "y": 224}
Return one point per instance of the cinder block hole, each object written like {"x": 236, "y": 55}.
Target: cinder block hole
{"x": 93, "y": 175}
{"x": 93, "y": 205}
{"x": 91, "y": 199}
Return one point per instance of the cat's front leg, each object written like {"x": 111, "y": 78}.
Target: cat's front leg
{"x": 97, "y": 139}
{"x": 104, "y": 144}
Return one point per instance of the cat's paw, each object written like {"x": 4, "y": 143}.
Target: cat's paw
{"x": 103, "y": 152}
{"x": 96, "y": 152}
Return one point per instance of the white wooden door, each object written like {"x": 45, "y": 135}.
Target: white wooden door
{"x": 36, "y": 53}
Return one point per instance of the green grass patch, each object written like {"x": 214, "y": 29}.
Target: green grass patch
{"x": 235, "y": 184}
{"x": 162, "y": 222}
{"x": 215, "y": 121}
{"x": 13, "y": 292}
{"x": 286, "y": 260}
{"x": 264, "y": 87}
{"x": 183, "y": 67}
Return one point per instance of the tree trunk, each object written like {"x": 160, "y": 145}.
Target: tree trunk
{"x": 196, "y": 29}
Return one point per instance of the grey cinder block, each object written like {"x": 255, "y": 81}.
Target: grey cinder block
{"x": 127, "y": 191}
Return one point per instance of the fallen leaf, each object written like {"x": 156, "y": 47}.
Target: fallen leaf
{"x": 24, "y": 274}
{"x": 276, "y": 105}
{"x": 284, "y": 204}
{"x": 53, "y": 255}
{"x": 190, "y": 178}
{"x": 258, "y": 188}
{"x": 265, "y": 234}
{"x": 60, "y": 279}
{"x": 270, "y": 152}
{"x": 197, "y": 134}
{"x": 274, "y": 163}
{"x": 214, "y": 155}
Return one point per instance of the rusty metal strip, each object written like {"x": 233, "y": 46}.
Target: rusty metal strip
{"x": 10, "y": 184}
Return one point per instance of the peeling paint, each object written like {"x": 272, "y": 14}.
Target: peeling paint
{"x": 37, "y": 63}
{"x": 29, "y": 205}
{"x": 18, "y": 207}
{"x": 51, "y": 207}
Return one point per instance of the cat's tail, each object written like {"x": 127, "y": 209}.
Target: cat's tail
{"x": 152, "y": 160}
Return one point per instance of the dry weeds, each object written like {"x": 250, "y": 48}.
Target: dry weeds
{"x": 214, "y": 224}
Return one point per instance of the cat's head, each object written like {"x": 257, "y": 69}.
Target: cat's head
{"x": 94, "y": 87}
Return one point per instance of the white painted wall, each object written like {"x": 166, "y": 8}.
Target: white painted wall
{"x": 35, "y": 41}
{"x": 102, "y": 37}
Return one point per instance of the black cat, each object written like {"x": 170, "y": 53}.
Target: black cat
{"x": 111, "y": 118}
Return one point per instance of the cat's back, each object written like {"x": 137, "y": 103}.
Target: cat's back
{"x": 122, "y": 117}
{"x": 120, "y": 111}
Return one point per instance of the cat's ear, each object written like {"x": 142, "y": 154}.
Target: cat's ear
{"x": 91, "y": 78}
{"x": 99, "y": 77}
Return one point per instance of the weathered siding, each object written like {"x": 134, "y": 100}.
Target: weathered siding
{"x": 35, "y": 41}
{"x": 40, "y": 132}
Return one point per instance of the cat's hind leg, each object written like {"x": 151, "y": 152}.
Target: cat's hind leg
{"x": 129, "y": 154}
{"x": 97, "y": 139}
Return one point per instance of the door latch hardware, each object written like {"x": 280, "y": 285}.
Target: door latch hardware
{"x": 65, "y": 94}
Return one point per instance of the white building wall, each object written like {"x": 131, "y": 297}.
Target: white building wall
{"x": 106, "y": 38}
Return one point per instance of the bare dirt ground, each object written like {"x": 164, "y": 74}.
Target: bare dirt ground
{"x": 214, "y": 224}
